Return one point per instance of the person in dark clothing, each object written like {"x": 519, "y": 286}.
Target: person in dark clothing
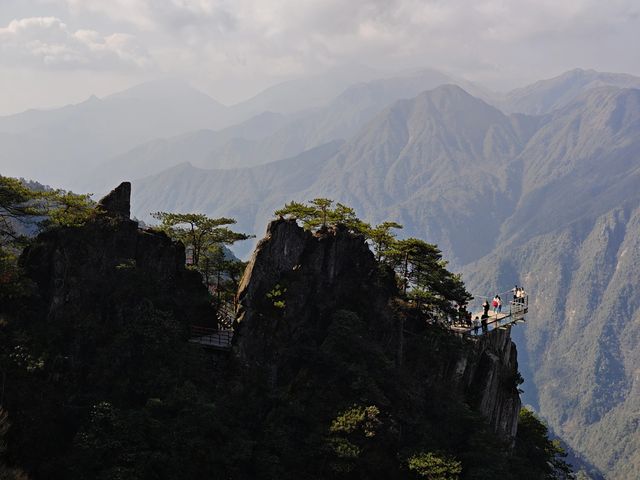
{"x": 485, "y": 327}
{"x": 485, "y": 308}
{"x": 462, "y": 313}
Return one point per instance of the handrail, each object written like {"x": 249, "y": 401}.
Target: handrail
{"x": 226, "y": 315}
{"x": 518, "y": 308}
{"x": 211, "y": 337}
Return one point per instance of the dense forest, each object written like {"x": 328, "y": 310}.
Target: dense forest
{"x": 339, "y": 367}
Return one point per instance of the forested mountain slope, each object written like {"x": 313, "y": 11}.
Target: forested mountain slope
{"x": 574, "y": 240}
{"x": 108, "y": 376}
{"x": 583, "y": 332}
{"x": 550, "y": 201}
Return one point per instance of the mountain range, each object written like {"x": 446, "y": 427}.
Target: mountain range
{"x": 538, "y": 186}
{"x": 550, "y": 200}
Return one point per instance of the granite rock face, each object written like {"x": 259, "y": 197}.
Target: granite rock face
{"x": 79, "y": 269}
{"x": 487, "y": 376}
{"x": 313, "y": 275}
{"x": 117, "y": 203}
{"x": 296, "y": 280}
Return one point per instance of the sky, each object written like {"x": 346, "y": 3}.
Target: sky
{"x": 55, "y": 52}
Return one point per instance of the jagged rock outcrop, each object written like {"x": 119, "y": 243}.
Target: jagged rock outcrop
{"x": 316, "y": 274}
{"x": 297, "y": 281}
{"x": 117, "y": 203}
{"x": 78, "y": 268}
{"x": 107, "y": 312}
{"x": 488, "y": 375}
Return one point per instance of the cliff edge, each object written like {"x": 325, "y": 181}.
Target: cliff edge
{"x": 297, "y": 288}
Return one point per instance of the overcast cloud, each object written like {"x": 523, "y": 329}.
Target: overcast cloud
{"x": 234, "y": 48}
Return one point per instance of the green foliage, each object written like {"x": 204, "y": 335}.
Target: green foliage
{"x": 424, "y": 277}
{"x": 433, "y": 466}
{"x": 24, "y": 210}
{"x": 383, "y": 239}
{"x": 221, "y": 270}
{"x": 536, "y": 456}
{"x": 357, "y": 418}
{"x": 276, "y": 295}
{"x": 198, "y": 232}
{"x": 21, "y": 205}
{"x": 422, "y": 272}
{"x": 205, "y": 238}
{"x": 121, "y": 393}
{"x": 15, "y": 205}
{"x": 319, "y": 214}
{"x": 12, "y": 283}
{"x": 350, "y": 435}
{"x": 68, "y": 209}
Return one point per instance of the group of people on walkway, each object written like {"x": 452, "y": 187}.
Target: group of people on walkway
{"x": 519, "y": 294}
{"x": 465, "y": 318}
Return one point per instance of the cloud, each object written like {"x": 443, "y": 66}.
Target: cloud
{"x": 295, "y": 34}
{"x": 47, "y": 42}
{"x": 224, "y": 44}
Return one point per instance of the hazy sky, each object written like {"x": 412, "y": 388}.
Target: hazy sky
{"x": 54, "y": 52}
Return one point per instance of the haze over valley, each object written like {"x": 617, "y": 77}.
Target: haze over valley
{"x": 523, "y": 173}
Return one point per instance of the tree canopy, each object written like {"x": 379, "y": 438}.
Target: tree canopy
{"x": 421, "y": 271}
{"x": 22, "y": 207}
{"x": 198, "y": 232}
{"x": 318, "y": 213}
{"x": 205, "y": 239}
{"x": 538, "y": 456}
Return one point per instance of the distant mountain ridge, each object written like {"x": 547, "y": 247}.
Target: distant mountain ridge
{"x": 420, "y": 150}
{"x": 280, "y": 136}
{"x": 551, "y": 201}
{"x": 159, "y": 124}
{"x": 63, "y": 144}
{"x": 545, "y": 96}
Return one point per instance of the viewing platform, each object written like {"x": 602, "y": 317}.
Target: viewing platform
{"x": 516, "y": 313}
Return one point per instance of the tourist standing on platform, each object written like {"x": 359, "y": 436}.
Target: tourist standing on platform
{"x": 494, "y": 304}
{"x": 485, "y": 308}
{"x": 476, "y": 325}
{"x": 499, "y": 303}
{"x": 520, "y": 295}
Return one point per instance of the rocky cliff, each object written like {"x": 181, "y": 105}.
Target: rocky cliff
{"x": 101, "y": 329}
{"x": 331, "y": 375}
{"x": 297, "y": 284}
{"x": 78, "y": 268}
{"x": 488, "y": 374}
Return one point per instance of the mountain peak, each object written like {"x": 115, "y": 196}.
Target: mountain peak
{"x": 547, "y": 95}
{"x": 450, "y": 96}
{"x": 161, "y": 89}
{"x": 449, "y": 90}
{"x": 576, "y": 72}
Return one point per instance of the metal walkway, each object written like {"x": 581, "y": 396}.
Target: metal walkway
{"x": 216, "y": 338}
{"x": 518, "y": 308}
